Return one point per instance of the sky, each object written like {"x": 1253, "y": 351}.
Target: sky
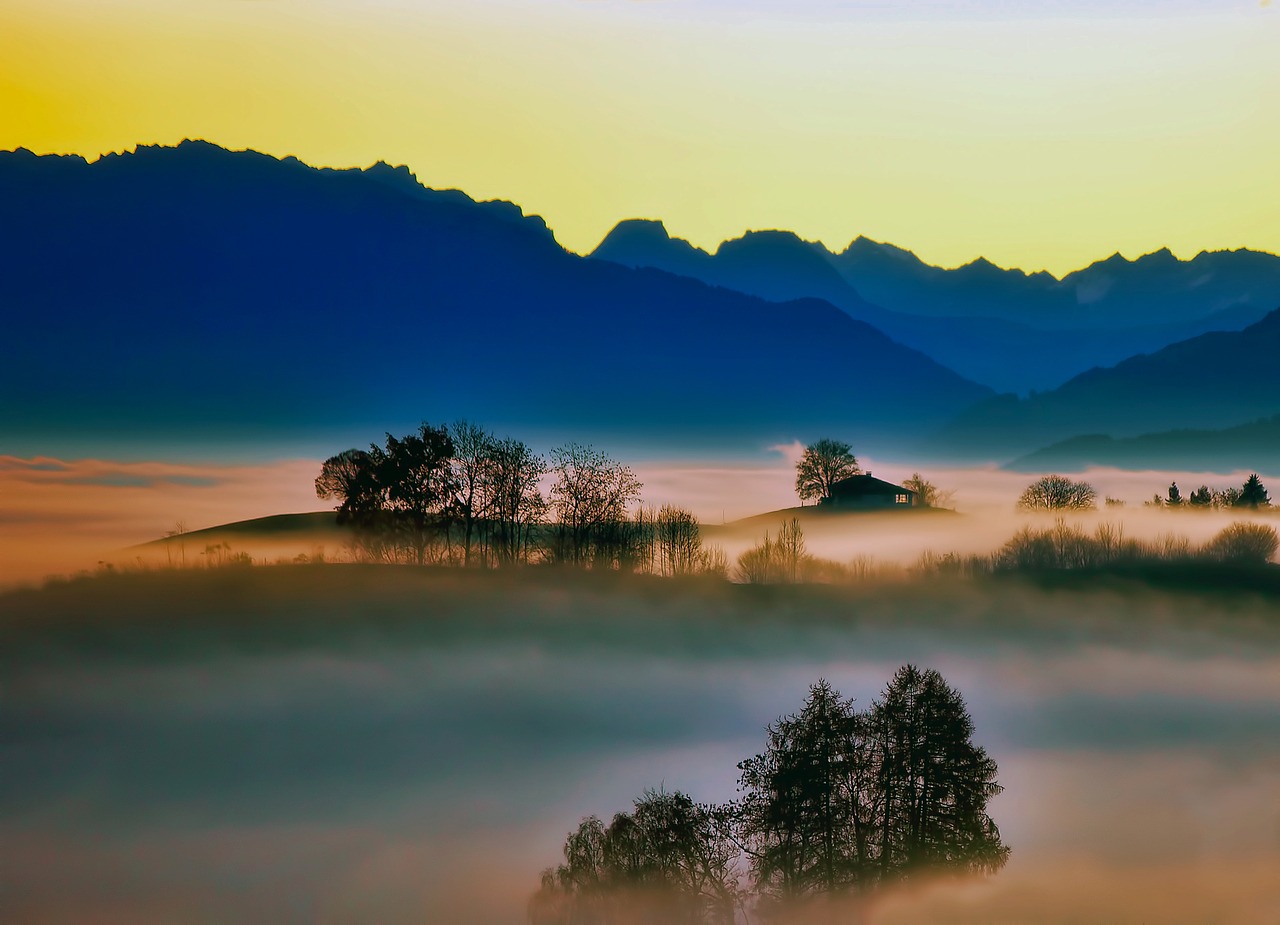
{"x": 1042, "y": 135}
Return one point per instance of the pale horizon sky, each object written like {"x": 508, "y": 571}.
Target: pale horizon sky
{"x": 1040, "y": 135}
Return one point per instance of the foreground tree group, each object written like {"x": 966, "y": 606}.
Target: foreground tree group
{"x": 841, "y": 802}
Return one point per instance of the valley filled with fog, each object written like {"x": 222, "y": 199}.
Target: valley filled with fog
{"x": 348, "y": 743}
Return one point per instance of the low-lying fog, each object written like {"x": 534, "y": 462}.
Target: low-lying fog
{"x": 60, "y": 517}
{"x": 346, "y": 745}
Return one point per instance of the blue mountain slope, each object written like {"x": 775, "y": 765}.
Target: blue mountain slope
{"x": 1013, "y": 331}
{"x": 194, "y": 290}
{"x": 1214, "y": 381}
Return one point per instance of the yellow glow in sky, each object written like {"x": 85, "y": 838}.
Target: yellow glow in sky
{"x": 1039, "y": 135}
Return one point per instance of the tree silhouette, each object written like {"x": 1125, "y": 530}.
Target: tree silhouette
{"x": 927, "y": 493}
{"x": 351, "y": 478}
{"x": 671, "y": 860}
{"x": 1243, "y": 544}
{"x": 838, "y": 802}
{"x": 418, "y": 472}
{"x": 1057, "y": 493}
{"x": 1175, "y": 496}
{"x": 804, "y": 816}
{"x": 590, "y": 498}
{"x": 473, "y": 448}
{"x": 516, "y": 504}
{"x": 821, "y": 465}
{"x": 1201, "y": 497}
{"x": 1253, "y": 494}
{"x": 932, "y": 782}
{"x": 679, "y": 541}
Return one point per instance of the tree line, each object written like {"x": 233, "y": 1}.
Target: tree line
{"x": 1059, "y": 493}
{"x": 839, "y": 803}
{"x": 460, "y": 495}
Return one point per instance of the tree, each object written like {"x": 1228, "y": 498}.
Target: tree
{"x": 821, "y": 465}
{"x": 1228, "y": 497}
{"x": 805, "y": 815}
{"x": 1253, "y": 494}
{"x": 838, "y": 802}
{"x": 417, "y": 471}
{"x": 590, "y": 497}
{"x": 351, "y": 478}
{"x": 678, "y": 539}
{"x": 516, "y": 505}
{"x": 670, "y": 860}
{"x": 927, "y": 494}
{"x": 1175, "y": 496}
{"x": 1057, "y": 493}
{"x": 1243, "y": 544}
{"x": 775, "y": 561}
{"x": 473, "y": 455}
{"x": 1202, "y": 497}
{"x": 932, "y": 782}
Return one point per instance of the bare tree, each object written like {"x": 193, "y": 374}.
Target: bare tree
{"x": 472, "y": 457}
{"x": 590, "y": 497}
{"x": 517, "y": 506}
{"x": 1057, "y": 493}
{"x": 927, "y": 493}
{"x": 822, "y": 465}
{"x": 678, "y": 540}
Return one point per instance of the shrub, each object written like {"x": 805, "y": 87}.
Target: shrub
{"x": 1243, "y": 543}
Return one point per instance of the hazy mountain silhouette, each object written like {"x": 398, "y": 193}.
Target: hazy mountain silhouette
{"x": 1234, "y": 288}
{"x": 1247, "y": 447}
{"x": 1212, "y": 381}
{"x": 1012, "y": 331}
{"x": 199, "y": 291}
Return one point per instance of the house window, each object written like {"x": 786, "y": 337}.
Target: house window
{"x": 901, "y": 499}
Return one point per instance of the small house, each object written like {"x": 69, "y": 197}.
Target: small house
{"x": 867, "y": 493}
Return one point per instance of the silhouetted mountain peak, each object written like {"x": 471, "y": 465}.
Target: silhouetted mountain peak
{"x": 862, "y": 246}
{"x": 1162, "y": 257}
{"x": 636, "y": 242}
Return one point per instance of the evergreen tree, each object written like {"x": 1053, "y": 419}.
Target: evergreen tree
{"x": 1253, "y": 494}
{"x": 804, "y": 815}
{"x": 1175, "y": 496}
{"x": 933, "y": 783}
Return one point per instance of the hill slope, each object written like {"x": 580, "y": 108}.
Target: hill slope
{"x": 1254, "y": 446}
{"x": 1208, "y": 382}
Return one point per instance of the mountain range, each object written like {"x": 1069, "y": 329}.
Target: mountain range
{"x": 1012, "y": 331}
{"x": 194, "y": 294}
{"x": 1221, "y": 379}
{"x": 198, "y": 293}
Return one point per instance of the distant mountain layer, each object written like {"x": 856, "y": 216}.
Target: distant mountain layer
{"x": 1253, "y": 447}
{"x": 1208, "y": 382}
{"x": 201, "y": 292}
{"x": 1009, "y": 330}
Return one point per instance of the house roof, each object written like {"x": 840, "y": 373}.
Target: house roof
{"x": 866, "y": 485}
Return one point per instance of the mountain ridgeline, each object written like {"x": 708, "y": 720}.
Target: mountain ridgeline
{"x": 205, "y": 294}
{"x": 198, "y": 291}
{"x": 1010, "y": 330}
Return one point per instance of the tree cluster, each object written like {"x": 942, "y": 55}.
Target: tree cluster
{"x": 840, "y": 802}
{"x": 459, "y": 495}
{"x": 1252, "y": 495}
{"x": 438, "y": 495}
